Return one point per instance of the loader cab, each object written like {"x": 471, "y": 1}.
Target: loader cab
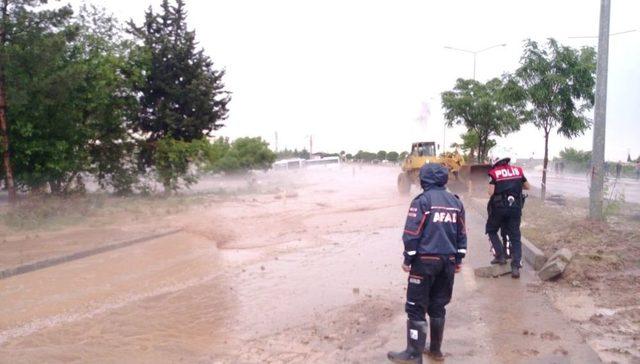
{"x": 423, "y": 149}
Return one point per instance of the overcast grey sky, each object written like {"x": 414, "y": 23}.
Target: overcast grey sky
{"x": 356, "y": 74}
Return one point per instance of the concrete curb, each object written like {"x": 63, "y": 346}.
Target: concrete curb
{"x": 530, "y": 253}
{"x": 49, "y": 262}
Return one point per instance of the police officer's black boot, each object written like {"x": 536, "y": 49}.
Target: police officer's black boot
{"x": 437, "y": 332}
{"x": 498, "y": 249}
{"x": 416, "y": 338}
{"x": 515, "y": 272}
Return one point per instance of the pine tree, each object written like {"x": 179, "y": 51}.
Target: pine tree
{"x": 182, "y": 95}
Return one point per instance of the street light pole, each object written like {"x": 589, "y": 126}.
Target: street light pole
{"x": 475, "y": 56}
{"x": 600, "y": 116}
{"x": 475, "y": 53}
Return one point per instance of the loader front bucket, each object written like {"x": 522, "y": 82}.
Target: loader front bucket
{"x": 475, "y": 178}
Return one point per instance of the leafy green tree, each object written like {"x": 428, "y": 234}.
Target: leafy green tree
{"x": 486, "y": 109}
{"x": 245, "y": 154}
{"x": 111, "y": 100}
{"x": 304, "y": 154}
{"x": 288, "y": 153}
{"x": 325, "y": 155}
{"x": 215, "y": 151}
{"x": 470, "y": 144}
{"x": 349, "y": 156}
{"x": 285, "y": 154}
{"x": 559, "y": 82}
{"x": 576, "y": 156}
{"x": 8, "y": 10}
{"x": 381, "y": 155}
{"x": 182, "y": 95}
{"x": 20, "y": 21}
{"x": 175, "y": 161}
{"x": 392, "y": 156}
{"x": 66, "y": 98}
{"x": 54, "y": 90}
{"x": 365, "y": 156}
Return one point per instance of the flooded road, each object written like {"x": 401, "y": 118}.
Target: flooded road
{"x": 311, "y": 275}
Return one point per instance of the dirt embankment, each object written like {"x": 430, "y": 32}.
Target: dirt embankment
{"x": 601, "y": 287}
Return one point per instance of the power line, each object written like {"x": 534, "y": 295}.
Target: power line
{"x": 611, "y": 34}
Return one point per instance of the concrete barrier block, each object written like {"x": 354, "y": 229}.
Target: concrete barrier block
{"x": 552, "y": 270}
{"x": 493, "y": 271}
{"x": 533, "y": 255}
{"x": 564, "y": 254}
{"x": 556, "y": 264}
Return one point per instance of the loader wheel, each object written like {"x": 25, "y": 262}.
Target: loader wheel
{"x": 404, "y": 184}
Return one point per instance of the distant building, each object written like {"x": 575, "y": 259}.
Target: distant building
{"x": 287, "y": 164}
{"x": 323, "y": 161}
{"x": 298, "y": 163}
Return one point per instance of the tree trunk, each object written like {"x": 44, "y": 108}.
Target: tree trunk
{"x": 167, "y": 185}
{"x": 56, "y": 187}
{"x": 482, "y": 157}
{"x": 481, "y": 151}
{"x": 543, "y": 189}
{"x": 4, "y": 129}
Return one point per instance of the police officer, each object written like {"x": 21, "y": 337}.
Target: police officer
{"x": 434, "y": 239}
{"x": 506, "y": 183}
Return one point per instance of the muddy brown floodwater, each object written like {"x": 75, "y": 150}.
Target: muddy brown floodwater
{"x": 310, "y": 274}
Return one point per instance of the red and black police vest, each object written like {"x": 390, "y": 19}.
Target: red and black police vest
{"x": 508, "y": 179}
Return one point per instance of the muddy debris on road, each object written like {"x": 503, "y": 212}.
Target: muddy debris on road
{"x": 252, "y": 279}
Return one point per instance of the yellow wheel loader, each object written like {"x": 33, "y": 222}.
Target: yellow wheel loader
{"x": 462, "y": 176}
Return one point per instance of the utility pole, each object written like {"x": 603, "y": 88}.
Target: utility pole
{"x": 276, "y": 142}
{"x": 4, "y": 129}
{"x": 600, "y": 116}
{"x": 444, "y": 138}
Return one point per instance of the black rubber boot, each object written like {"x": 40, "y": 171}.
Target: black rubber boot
{"x": 515, "y": 272}
{"x": 498, "y": 249}
{"x": 416, "y": 338}
{"x": 437, "y": 332}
